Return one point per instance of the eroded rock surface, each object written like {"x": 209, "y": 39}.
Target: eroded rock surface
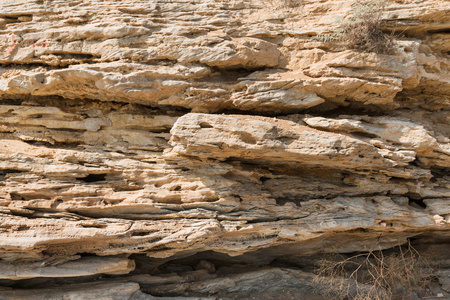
{"x": 215, "y": 149}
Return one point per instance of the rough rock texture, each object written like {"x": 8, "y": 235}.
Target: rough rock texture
{"x": 215, "y": 149}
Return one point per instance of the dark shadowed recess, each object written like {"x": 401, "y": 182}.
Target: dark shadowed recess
{"x": 193, "y": 268}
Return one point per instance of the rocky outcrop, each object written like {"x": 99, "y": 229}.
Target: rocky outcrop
{"x": 215, "y": 148}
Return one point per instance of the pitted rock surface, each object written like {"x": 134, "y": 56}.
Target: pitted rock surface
{"x": 215, "y": 149}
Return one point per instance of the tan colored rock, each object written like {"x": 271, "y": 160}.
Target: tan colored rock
{"x": 219, "y": 136}
{"x": 277, "y": 141}
{"x": 77, "y": 291}
{"x": 415, "y": 139}
{"x": 81, "y": 267}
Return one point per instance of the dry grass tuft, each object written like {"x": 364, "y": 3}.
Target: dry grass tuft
{"x": 362, "y": 29}
{"x": 374, "y": 276}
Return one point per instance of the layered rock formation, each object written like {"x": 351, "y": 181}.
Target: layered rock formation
{"x": 215, "y": 149}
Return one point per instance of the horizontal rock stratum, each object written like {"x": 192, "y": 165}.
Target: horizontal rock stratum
{"x": 216, "y": 149}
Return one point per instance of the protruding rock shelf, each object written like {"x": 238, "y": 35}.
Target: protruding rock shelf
{"x": 215, "y": 149}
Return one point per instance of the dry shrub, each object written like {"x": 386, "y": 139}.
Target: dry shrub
{"x": 374, "y": 276}
{"x": 362, "y": 29}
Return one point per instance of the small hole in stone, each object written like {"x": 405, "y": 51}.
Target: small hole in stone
{"x": 15, "y": 196}
{"x": 417, "y": 203}
{"x": 93, "y": 178}
{"x": 263, "y": 178}
{"x": 205, "y": 125}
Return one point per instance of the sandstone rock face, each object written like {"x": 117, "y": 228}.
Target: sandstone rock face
{"x": 215, "y": 149}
